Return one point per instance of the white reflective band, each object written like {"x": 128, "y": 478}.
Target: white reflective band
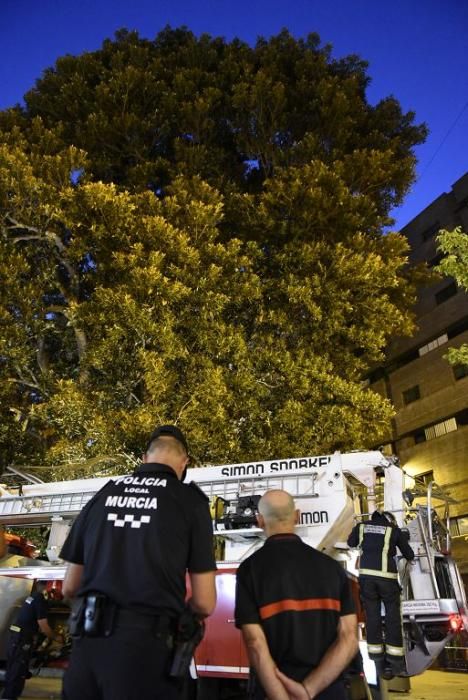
{"x": 361, "y": 534}
{"x": 376, "y": 572}
{"x": 387, "y": 537}
{"x": 375, "y": 648}
{"x": 223, "y": 669}
{"x": 394, "y": 651}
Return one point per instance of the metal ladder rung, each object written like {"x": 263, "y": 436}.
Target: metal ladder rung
{"x": 237, "y": 486}
{"x": 44, "y": 505}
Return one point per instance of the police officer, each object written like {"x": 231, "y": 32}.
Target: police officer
{"x": 378, "y": 539}
{"x": 31, "y": 618}
{"x": 295, "y": 610}
{"x": 129, "y": 551}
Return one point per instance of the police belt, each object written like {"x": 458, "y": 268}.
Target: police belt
{"x": 95, "y": 615}
{"x": 161, "y": 624}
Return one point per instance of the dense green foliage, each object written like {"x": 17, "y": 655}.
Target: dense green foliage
{"x": 192, "y": 232}
{"x": 454, "y": 244}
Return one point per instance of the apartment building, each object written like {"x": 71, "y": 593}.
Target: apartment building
{"x": 430, "y": 428}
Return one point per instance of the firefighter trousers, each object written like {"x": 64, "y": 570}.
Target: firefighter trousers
{"x": 374, "y": 592}
{"x": 17, "y": 664}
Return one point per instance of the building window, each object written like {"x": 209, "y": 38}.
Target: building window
{"x": 449, "y": 291}
{"x": 430, "y": 231}
{"x": 419, "y": 436}
{"x": 459, "y": 526}
{"x": 425, "y": 478}
{"x": 460, "y": 371}
{"x": 449, "y": 425}
{"x": 442, "y": 428}
{"x": 411, "y": 395}
{"x": 433, "y": 344}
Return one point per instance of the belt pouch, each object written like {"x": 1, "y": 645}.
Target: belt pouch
{"x": 99, "y": 615}
{"x": 75, "y": 623}
{"x": 94, "y": 614}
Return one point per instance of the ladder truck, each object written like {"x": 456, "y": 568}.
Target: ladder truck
{"x": 332, "y": 492}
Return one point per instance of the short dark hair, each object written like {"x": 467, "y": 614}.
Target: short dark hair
{"x": 168, "y": 431}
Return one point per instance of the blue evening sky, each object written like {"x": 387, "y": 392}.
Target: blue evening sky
{"x": 417, "y": 50}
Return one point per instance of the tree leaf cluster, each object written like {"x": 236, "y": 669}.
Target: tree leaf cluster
{"x": 454, "y": 246}
{"x": 192, "y": 233}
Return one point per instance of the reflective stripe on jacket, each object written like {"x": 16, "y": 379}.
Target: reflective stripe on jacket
{"x": 378, "y": 541}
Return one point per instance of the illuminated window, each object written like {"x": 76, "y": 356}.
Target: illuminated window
{"x": 442, "y": 428}
{"x": 433, "y": 344}
{"x": 449, "y": 425}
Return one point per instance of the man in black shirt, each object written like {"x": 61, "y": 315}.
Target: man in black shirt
{"x": 295, "y": 609}
{"x": 129, "y": 551}
{"x": 378, "y": 539}
{"x": 31, "y": 618}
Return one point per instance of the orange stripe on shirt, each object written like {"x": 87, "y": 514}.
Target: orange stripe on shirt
{"x": 298, "y": 605}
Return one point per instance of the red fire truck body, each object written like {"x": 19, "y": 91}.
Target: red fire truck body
{"x": 331, "y": 491}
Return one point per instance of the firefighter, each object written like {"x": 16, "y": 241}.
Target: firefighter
{"x": 23, "y": 637}
{"x": 295, "y": 610}
{"x": 378, "y": 539}
{"x": 129, "y": 551}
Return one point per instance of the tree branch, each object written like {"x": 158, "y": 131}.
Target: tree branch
{"x": 187, "y": 403}
{"x": 30, "y": 385}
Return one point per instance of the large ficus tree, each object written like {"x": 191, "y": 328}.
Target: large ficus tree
{"x": 192, "y": 232}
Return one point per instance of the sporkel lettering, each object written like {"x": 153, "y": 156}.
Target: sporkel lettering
{"x": 304, "y": 463}
{"x": 273, "y": 467}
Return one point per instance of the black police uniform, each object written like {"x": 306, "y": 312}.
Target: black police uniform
{"x": 136, "y": 539}
{"x": 378, "y": 578}
{"x": 297, "y": 595}
{"x": 21, "y": 643}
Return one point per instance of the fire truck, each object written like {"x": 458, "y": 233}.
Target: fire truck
{"x": 332, "y": 492}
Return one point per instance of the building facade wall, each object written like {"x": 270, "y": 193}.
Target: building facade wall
{"x": 430, "y": 427}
